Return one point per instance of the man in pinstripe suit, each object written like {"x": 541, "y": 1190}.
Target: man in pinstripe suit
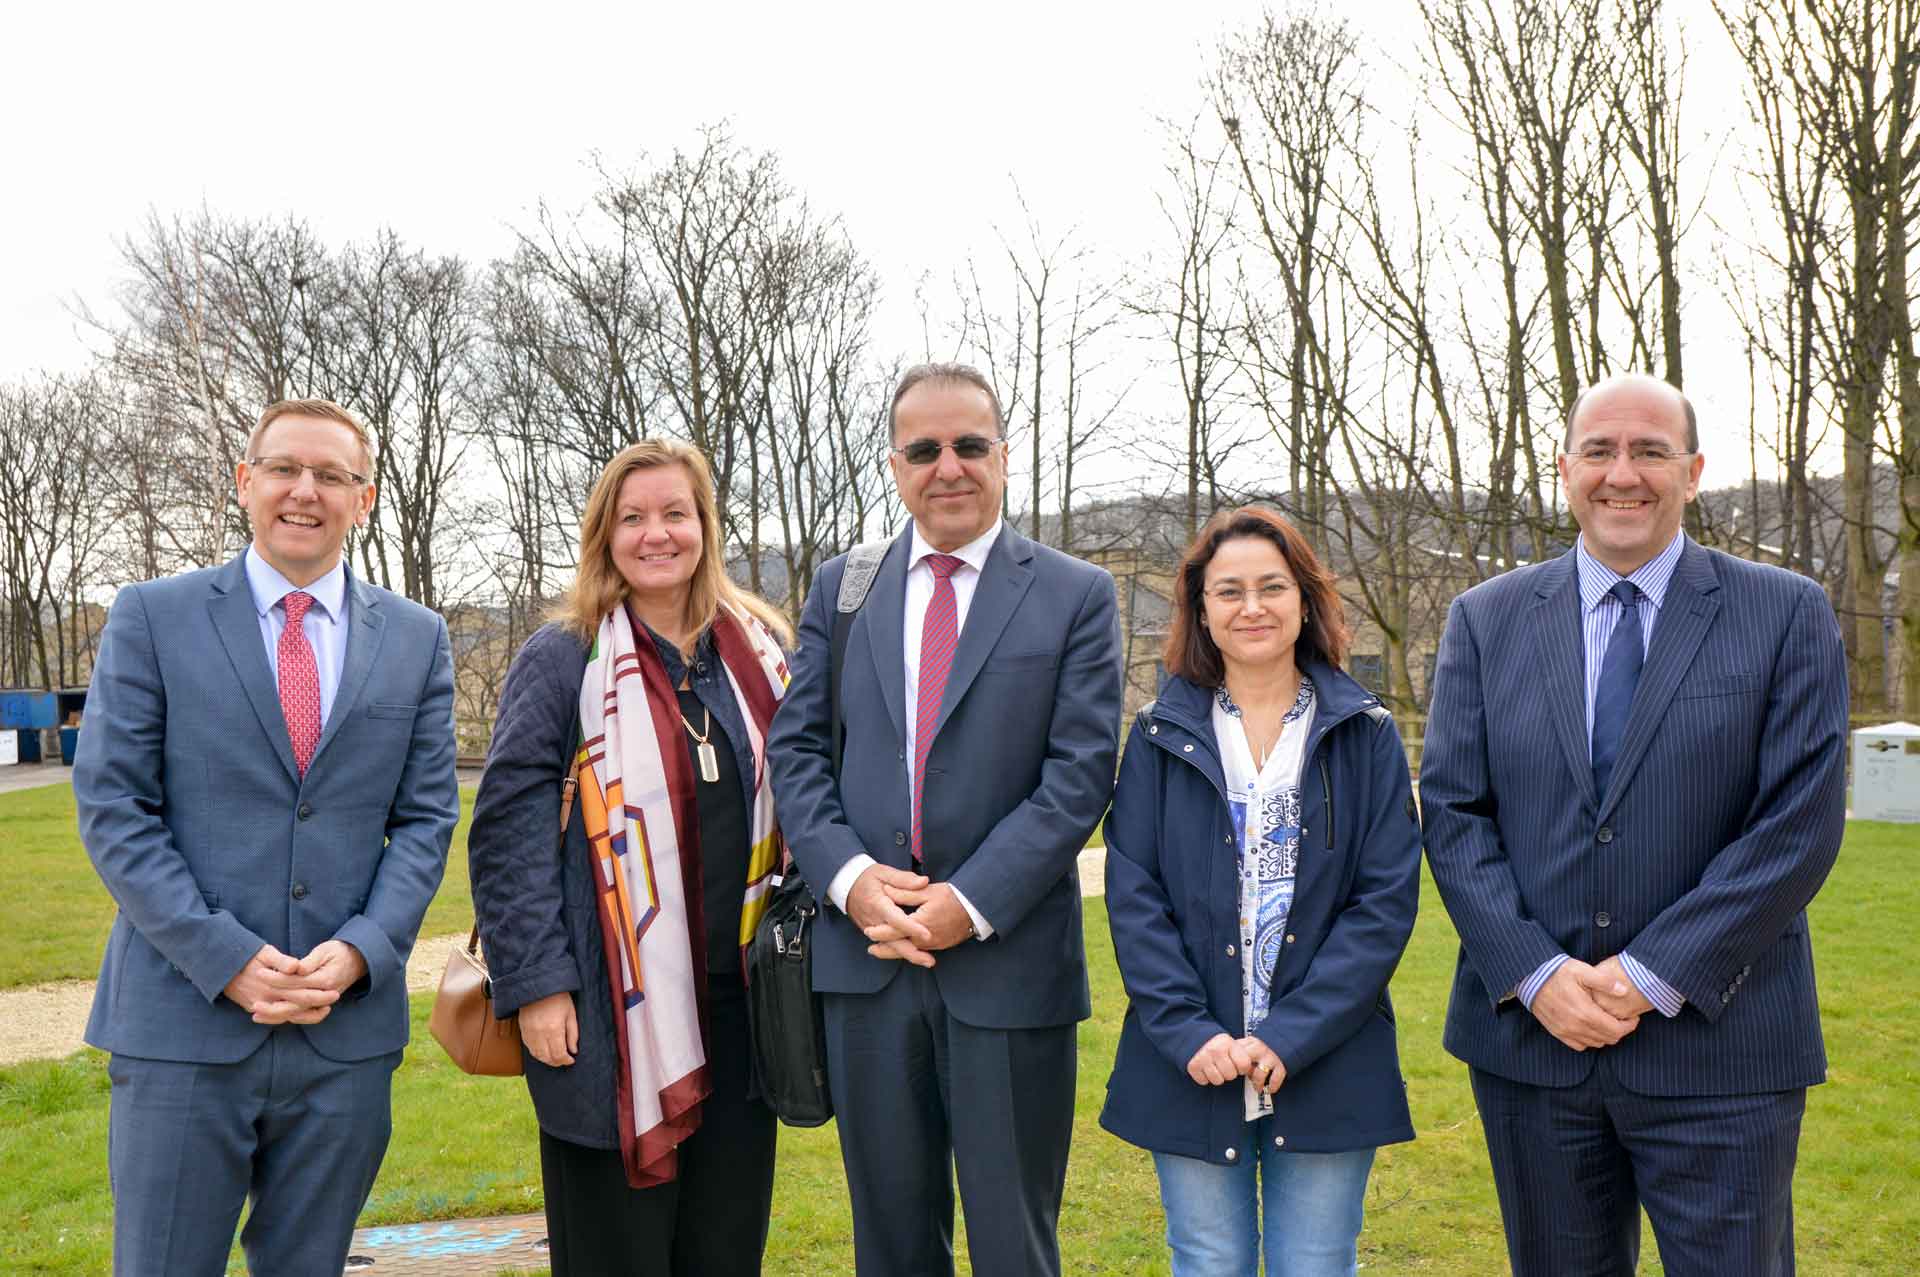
{"x": 1632, "y": 786}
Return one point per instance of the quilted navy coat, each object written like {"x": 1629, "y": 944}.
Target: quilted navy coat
{"x": 1173, "y": 901}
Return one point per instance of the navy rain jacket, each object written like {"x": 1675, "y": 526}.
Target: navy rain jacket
{"x": 1173, "y": 900}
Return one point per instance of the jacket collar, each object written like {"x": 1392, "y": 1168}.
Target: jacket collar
{"x": 1188, "y": 707}
{"x": 1336, "y": 696}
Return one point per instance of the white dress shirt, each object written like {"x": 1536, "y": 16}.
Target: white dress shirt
{"x": 973, "y": 557}
{"x": 325, "y": 623}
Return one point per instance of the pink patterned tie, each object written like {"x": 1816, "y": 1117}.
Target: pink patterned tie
{"x": 938, "y": 634}
{"x": 299, "y": 682}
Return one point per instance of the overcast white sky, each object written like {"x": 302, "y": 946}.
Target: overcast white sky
{"x": 448, "y": 122}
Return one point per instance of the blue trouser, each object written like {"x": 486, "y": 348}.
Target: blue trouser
{"x": 1302, "y": 1209}
{"x": 1575, "y": 1164}
{"x": 923, "y": 1100}
{"x": 188, "y": 1144}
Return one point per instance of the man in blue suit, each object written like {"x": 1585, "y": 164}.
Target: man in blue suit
{"x": 1632, "y": 787}
{"x": 980, "y": 693}
{"x": 265, "y": 784}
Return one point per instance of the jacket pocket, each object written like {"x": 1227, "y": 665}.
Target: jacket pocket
{"x": 1718, "y": 685}
{"x": 391, "y": 710}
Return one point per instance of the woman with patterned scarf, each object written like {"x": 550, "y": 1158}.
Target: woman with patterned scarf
{"x": 616, "y": 930}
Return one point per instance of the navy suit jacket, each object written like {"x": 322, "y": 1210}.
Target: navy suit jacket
{"x": 1019, "y": 772}
{"x": 211, "y": 842}
{"x": 1722, "y": 819}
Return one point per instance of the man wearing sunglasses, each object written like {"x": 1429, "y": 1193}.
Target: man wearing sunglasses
{"x": 265, "y": 784}
{"x": 980, "y": 698}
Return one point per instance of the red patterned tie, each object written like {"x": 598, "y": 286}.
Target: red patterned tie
{"x": 938, "y": 634}
{"x": 299, "y": 682}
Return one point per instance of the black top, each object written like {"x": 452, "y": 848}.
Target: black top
{"x": 723, "y": 836}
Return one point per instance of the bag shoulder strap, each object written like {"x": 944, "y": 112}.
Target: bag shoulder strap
{"x": 863, "y": 564}
{"x": 569, "y": 776}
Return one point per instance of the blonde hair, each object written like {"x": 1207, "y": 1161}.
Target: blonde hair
{"x": 323, "y": 409}
{"x": 598, "y": 587}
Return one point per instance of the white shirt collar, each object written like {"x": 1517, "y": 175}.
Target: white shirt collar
{"x": 269, "y": 587}
{"x": 973, "y": 553}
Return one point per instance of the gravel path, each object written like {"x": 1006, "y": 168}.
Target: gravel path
{"x": 45, "y": 1021}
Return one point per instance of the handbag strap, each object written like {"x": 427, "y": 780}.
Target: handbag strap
{"x": 567, "y": 785}
{"x": 570, "y": 777}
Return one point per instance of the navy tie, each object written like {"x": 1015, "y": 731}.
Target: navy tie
{"x": 1619, "y": 675}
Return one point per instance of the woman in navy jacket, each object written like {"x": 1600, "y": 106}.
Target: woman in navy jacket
{"x": 1263, "y": 861}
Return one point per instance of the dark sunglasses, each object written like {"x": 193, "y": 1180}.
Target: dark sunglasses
{"x": 924, "y": 452}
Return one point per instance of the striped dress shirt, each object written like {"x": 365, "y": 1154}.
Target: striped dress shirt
{"x": 1600, "y": 611}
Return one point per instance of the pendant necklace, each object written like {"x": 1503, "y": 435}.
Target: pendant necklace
{"x": 709, "y": 761}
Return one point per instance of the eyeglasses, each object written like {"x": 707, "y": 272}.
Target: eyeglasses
{"x": 1233, "y": 596}
{"x": 287, "y": 470}
{"x": 924, "y": 452}
{"x": 1644, "y": 456}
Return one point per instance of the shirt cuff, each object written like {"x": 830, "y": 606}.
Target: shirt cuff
{"x": 1531, "y": 986}
{"x": 849, "y": 874}
{"x": 981, "y": 929}
{"x": 1666, "y": 999}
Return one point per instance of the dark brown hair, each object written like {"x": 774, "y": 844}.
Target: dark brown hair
{"x": 1191, "y": 652}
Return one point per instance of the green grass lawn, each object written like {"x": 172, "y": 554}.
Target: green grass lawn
{"x": 465, "y": 1146}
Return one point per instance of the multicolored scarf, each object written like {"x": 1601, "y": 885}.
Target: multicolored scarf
{"x": 637, "y": 798}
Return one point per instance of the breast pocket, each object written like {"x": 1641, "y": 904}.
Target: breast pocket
{"x": 1023, "y": 663}
{"x": 1718, "y": 685}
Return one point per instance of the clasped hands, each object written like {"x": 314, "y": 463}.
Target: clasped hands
{"x": 1225, "y": 1058}
{"x": 277, "y": 988}
{"x": 908, "y": 917}
{"x": 1589, "y": 1006}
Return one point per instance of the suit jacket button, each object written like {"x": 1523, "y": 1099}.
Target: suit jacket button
{"x": 1188, "y": 749}
{"x": 1605, "y": 834}
{"x": 1291, "y": 937}
{"x": 299, "y": 891}
{"x": 1603, "y": 919}
{"x": 1279, "y": 1141}
{"x": 1233, "y": 1155}
{"x": 1725, "y": 998}
{"x": 306, "y": 811}
{"x": 899, "y": 839}
{"x": 1230, "y": 951}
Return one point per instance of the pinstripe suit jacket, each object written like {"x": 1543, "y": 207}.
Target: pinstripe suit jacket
{"x": 1722, "y": 818}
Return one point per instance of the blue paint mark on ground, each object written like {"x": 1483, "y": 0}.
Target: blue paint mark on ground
{"x": 425, "y": 1241}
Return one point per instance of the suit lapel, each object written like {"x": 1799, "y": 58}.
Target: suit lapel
{"x": 365, "y": 630}
{"x": 1686, "y": 613}
{"x": 1003, "y": 583}
{"x": 884, "y": 617}
{"x": 238, "y": 625}
{"x": 1560, "y": 650}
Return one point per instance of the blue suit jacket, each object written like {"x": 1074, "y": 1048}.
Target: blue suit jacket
{"x": 212, "y": 844}
{"x": 1019, "y": 772}
{"x": 1723, "y": 816}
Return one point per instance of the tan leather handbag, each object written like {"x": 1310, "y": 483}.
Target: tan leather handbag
{"x": 463, "y": 1022}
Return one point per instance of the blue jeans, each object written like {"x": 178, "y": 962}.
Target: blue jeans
{"x": 1309, "y": 1218}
